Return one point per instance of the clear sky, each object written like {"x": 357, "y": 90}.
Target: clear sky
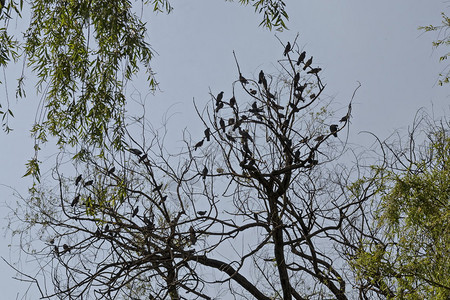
{"x": 375, "y": 43}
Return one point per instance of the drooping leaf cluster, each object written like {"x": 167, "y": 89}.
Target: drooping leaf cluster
{"x": 410, "y": 257}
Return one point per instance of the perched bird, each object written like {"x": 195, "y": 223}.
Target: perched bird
{"x": 143, "y": 157}
{"x": 287, "y": 49}
{"x": 198, "y": 145}
{"x": 308, "y": 63}
{"x": 230, "y": 121}
{"x": 242, "y": 79}
{"x": 78, "y": 179}
{"x": 208, "y": 134}
{"x": 297, "y": 156}
{"x": 157, "y": 188}
{"x": 106, "y": 228}
{"x": 135, "y": 212}
{"x": 204, "y": 172}
{"x": 230, "y": 138}
{"x": 201, "y": 212}
{"x": 314, "y": 71}
{"x": 296, "y": 79}
{"x": 219, "y": 97}
{"x": 333, "y": 129}
{"x": 192, "y": 237}
{"x": 232, "y": 101}
{"x": 75, "y": 201}
{"x": 135, "y": 151}
{"x": 222, "y": 124}
{"x": 163, "y": 198}
{"x": 56, "y": 250}
{"x": 89, "y": 182}
{"x": 219, "y": 106}
{"x": 301, "y": 58}
{"x": 66, "y": 248}
{"x": 111, "y": 171}
{"x": 261, "y": 77}
{"x": 344, "y": 119}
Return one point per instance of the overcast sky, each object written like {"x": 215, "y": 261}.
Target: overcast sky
{"x": 374, "y": 43}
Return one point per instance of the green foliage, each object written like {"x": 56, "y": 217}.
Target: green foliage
{"x": 273, "y": 11}
{"x": 443, "y": 40}
{"x": 413, "y": 261}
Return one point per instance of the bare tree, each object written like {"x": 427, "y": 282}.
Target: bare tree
{"x": 252, "y": 208}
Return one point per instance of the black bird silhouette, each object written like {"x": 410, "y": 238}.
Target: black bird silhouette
{"x": 157, "y": 188}
{"x": 242, "y": 79}
{"x": 219, "y": 97}
{"x": 222, "y": 124}
{"x": 230, "y": 121}
{"x": 297, "y": 156}
{"x": 143, "y": 157}
{"x": 135, "y": 212}
{"x": 308, "y": 63}
{"x": 89, "y": 182}
{"x": 296, "y": 79}
{"x": 198, "y": 145}
{"x": 56, "y": 250}
{"x": 111, "y": 171}
{"x": 219, "y": 106}
{"x": 192, "y": 237}
{"x": 287, "y": 49}
{"x": 314, "y": 71}
{"x": 163, "y": 198}
{"x": 78, "y": 179}
{"x": 261, "y": 77}
{"x": 230, "y": 138}
{"x": 136, "y": 151}
{"x": 232, "y": 101}
{"x": 66, "y": 248}
{"x": 107, "y": 228}
{"x": 201, "y": 212}
{"x": 301, "y": 58}
{"x": 333, "y": 129}
{"x": 204, "y": 172}
{"x": 344, "y": 119}
{"x": 208, "y": 134}
{"x": 75, "y": 201}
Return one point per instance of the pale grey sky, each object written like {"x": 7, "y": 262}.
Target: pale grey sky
{"x": 375, "y": 43}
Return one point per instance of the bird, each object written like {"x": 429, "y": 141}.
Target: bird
{"x": 78, "y": 179}
{"x": 314, "y": 71}
{"x": 89, "y": 182}
{"x": 219, "y": 97}
{"x": 261, "y": 77}
{"x": 296, "y": 79}
{"x": 135, "y": 212}
{"x": 344, "y": 119}
{"x": 297, "y": 156}
{"x": 242, "y": 79}
{"x": 253, "y": 92}
{"x": 111, "y": 171}
{"x": 198, "y": 145}
{"x": 55, "y": 248}
{"x": 308, "y": 63}
{"x": 230, "y": 121}
{"x": 219, "y": 106}
{"x": 66, "y": 248}
{"x": 201, "y": 212}
{"x": 143, "y": 157}
{"x": 230, "y": 138}
{"x": 287, "y": 49}
{"x": 301, "y": 58}
{"x": 204, "y": 172}
{"x": 75, "y": 201}
{"x": 135, "y": 151}
{"x": 208, "y": 134}
{"x": 222, "y": 124}
{"x": 163, "y": 198}
{"x": 157, "y": 188}
{"x": 107, "y": 228}
{"x": 192, "y": 236}
{"x": 333, "y": 129}
{"x": 232, "y": 101}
